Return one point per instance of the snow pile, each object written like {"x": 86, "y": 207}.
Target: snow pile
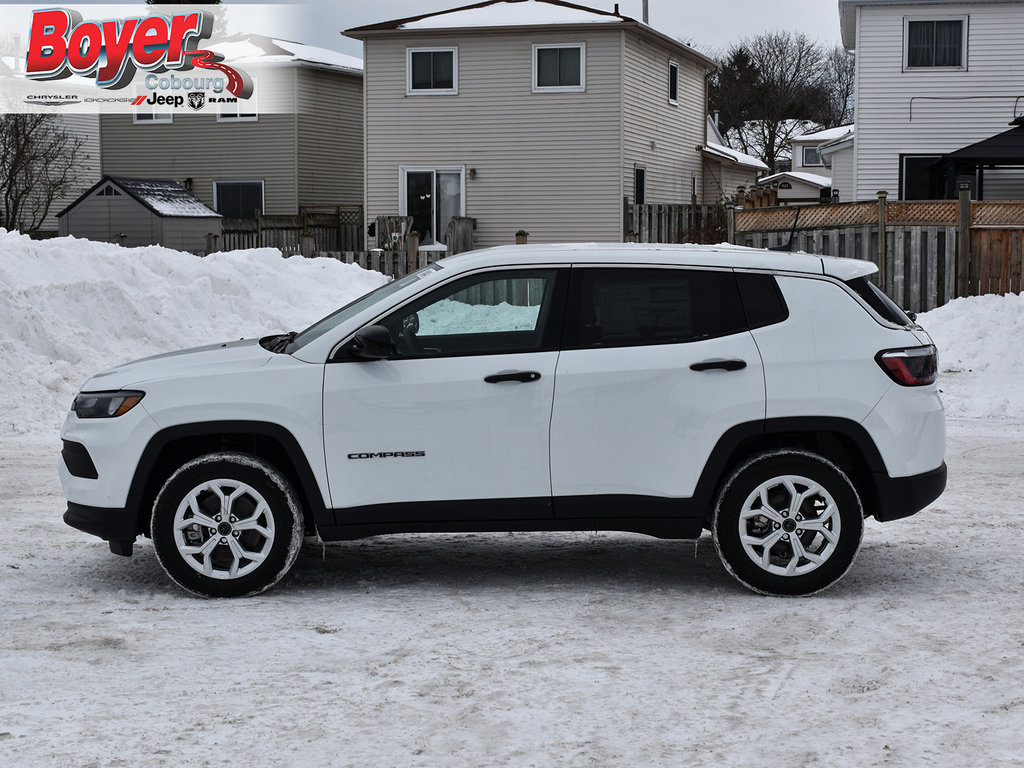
{"x": 71, "y": 308}
{"x": 981, "y": 358}
{"x": 451, "y": 316}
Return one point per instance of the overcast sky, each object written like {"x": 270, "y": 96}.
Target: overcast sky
{"x": 709, "y": 26}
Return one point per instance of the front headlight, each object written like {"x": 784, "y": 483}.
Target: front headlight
{"x": 105, "y": 405}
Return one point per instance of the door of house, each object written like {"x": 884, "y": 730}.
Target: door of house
{"x": 431, "y": 197}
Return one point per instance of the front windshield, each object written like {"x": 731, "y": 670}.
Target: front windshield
{"x": 339, "y": 316}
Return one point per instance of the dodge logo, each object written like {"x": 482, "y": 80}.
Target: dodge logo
{"x": 196, "y": 100}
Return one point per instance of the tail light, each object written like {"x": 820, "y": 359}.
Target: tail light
{"x": 913, "y": 367}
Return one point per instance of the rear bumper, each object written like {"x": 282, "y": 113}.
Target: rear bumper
{"x": 904, "y": 496}
{"x": 114, "y": 525}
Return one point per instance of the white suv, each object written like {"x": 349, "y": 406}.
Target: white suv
{"x": 773, "y": 399}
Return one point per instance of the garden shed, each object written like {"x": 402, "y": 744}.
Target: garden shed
{"x": 134, "y": 212}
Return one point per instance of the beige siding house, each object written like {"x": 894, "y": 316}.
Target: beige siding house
{"x": 933, "y": 77}
{"x": 297, "y": 143}
{"x": 530, "y": 115}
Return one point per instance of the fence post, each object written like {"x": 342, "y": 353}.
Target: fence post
{"x": 412, "y": 251}
{"x": 883, "y": 256}
{"x": 211, "y": 242}
{"x": 963, "y": 259}
{"x": 259, "y": 228}
{"x": 306, "y": 244}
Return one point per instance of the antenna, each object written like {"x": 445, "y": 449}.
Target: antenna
{"x": 646, "y": 13}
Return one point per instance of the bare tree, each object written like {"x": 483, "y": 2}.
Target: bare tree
{"x": 770, "y": 88}
{"x": 39, "y": 162}
{"x": 837, "y": 96}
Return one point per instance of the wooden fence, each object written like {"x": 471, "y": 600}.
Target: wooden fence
{"x": 336, "y": 229}
{"x": 923, "y": 260}
{"x": 675, "y": 223}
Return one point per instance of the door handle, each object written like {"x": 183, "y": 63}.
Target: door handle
{"x": 719, "y": 365}
{"x": 522, "y": 376}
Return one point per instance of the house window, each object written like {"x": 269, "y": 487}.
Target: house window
{"x": 432, "y": 196}
{"x": 432, "y": 70}
{"x": 811, "y": 156}
{"x": 936, "y": 43}
{"x": 238, "y": 199}
{"x": 639, "y": 184}
{"x": 239, "y": 110}
{"x": 559, "y": 67}
{"x": 920, "y": 178}
{"x": 147, "y": 113}
{"x": 673, "y": 83}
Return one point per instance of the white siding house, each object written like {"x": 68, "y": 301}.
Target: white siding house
{"x": 933, "y": 76}
{"x": 539, "y": 115}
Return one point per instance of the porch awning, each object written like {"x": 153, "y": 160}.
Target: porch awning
{"x": 1006, "y": 148}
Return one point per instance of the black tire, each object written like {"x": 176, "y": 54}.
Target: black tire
{"x": 811, "y": 525}
{"x": 216, "y": 510}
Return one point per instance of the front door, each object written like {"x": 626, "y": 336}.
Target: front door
{"x": 461, "y": 411}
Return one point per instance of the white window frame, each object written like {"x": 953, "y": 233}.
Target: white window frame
{"x": 405, "y": 170}
{"x": 582, "y": 87}
{"x": 673, "y": 66}
{"x": 149, "y": 112}
{"x": 803, "y": 158}
{"x": 252, "y": 111}
{"x": 261, "y": 182}
{"x": 964, "y": 32}
{"x": 454, "y": 90}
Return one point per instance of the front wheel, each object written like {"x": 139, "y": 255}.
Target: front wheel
{"x": 227, "y": 525}
{"x": 788, "y": 522}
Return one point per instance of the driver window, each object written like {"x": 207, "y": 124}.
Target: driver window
{"x": 496, "y": 313}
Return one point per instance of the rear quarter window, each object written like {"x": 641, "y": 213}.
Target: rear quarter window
{"x": 762, "y": 300}
{"x": 875, "y": 298}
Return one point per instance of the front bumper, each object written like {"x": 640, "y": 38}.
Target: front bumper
{"x": 114, "y": 525}
{"x": 904, "y": 496}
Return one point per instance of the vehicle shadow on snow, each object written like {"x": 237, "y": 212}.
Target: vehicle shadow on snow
{"x": 581, "y": 561}
{"x": 612, "y": 561}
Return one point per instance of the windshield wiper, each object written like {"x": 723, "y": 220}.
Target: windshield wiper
{"x": 280, "y": 342}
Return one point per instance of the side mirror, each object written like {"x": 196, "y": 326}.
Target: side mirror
{"x": 372, "y": 343}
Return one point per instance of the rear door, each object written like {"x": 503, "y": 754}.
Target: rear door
{"x": 656, "y": 365}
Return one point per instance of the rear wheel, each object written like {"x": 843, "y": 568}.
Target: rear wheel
{"x": 788, "y": 523}
{"x": 227, "y": 525}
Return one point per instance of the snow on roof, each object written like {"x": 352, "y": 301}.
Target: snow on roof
{"x": 726, "y": 153}
{"x": 808, "y": 178}
{"x": 164, "y": 197}
{"x": 829, "y": 134}
{"x": 257, "y": 49}
{"x": 511, "y": 13}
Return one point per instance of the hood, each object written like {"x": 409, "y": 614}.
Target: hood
{"x": 232, "y": 356}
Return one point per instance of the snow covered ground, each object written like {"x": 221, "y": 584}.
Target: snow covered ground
{"x": 485, "y": 650}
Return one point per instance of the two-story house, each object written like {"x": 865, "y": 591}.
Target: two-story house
{"x": 934, "y": 77}
{"x": 298, "y": 142}
{"x": 534, "y": 115}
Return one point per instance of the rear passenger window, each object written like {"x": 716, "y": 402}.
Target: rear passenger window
{"x": 627, "y": 307}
